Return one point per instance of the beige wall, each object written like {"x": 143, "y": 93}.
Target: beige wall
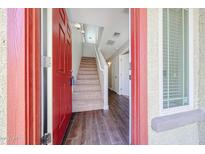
{"x": 202, "y": 73}
{"x": 183, "y": 135}
{"x": 3, "y": 75}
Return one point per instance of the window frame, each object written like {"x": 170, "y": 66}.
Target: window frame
{"x": 190, "y": 61}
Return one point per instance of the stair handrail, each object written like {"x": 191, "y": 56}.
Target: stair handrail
{"x": 103, "y": 67}
{"x": 98, "y": 59}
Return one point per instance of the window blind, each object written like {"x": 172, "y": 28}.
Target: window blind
{"x": 175, "y": 57}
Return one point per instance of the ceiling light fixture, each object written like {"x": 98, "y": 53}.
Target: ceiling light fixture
{"x": 109, "y": 63}
{"x": 78, "y": 26}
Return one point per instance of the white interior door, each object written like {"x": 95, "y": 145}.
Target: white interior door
{"x": 125, "y": 74}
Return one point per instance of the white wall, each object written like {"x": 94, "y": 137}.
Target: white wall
{"x": 88, "y": 50}
{"x": 183, "y": 135}
{"x": 77, "y": 48}
{"x": 3, "y": 76}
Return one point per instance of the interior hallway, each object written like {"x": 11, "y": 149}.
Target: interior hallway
{"x": 99, "y": 126}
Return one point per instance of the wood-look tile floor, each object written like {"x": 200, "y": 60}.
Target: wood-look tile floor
{"x": 99, "y": 126}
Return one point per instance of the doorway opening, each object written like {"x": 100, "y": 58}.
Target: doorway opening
{"x": 101, "y": 113}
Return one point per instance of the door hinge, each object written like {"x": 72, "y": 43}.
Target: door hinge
{"x": 130, "y": 77}
{"x": 46, "y": 138}
{"x": 46, "y": 61}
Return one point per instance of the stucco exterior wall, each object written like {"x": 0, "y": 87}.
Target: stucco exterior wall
{"x": 202, "y": 72}
{"x": 183, "y": 135}
{"x": 3, "y": 76}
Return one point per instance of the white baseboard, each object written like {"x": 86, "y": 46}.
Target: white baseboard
{"x": 113, "y": 90}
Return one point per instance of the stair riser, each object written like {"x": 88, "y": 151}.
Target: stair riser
{"x": 88, "y": 82}
{"x": 87, "y": 96}
{"x": 89, "y": 58}
{"x": 92, "y": 60}
{"x": 86, "y": 108}
{"x": 88, "y": 69}
{"x": 86, "y": 88}
{"x": 88, "y": 73}
{"x": 87, "y": 102}
{"x": 87, "y": 77}
{"x": 88, "y": 66}
{"x": 88, "y": 62}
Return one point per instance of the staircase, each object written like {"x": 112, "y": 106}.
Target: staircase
{"x": 87, "y": 93}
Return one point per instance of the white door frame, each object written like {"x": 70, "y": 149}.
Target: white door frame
{"x": 50, "y": 75}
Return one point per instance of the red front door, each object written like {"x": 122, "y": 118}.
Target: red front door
{"x": 62, "y": 62}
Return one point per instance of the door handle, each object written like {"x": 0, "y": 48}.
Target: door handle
{"x": 71, "y": 81}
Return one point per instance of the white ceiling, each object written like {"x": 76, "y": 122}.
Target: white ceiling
{"x": 112, "y": 20}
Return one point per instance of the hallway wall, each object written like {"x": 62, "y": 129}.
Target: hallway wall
{"x": 77, "y": 50}
{"x": 88, "y": 50}
{"x": 113, "y": 74}
{"x": 3, "y": 76}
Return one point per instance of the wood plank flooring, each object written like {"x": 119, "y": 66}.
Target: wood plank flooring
{"x": 101, "y": 127}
